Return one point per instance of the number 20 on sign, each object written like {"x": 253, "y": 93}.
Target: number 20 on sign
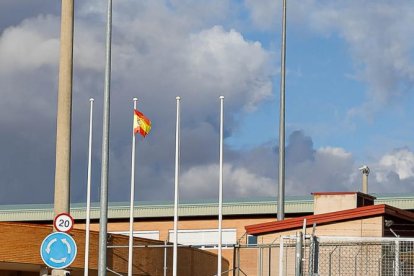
{"x": 63, "y": 222}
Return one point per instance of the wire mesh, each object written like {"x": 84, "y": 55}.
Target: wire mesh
{"x": 322, "y": 256}
{"x": 325, "y": 257}
{"x": 385, "y": 257}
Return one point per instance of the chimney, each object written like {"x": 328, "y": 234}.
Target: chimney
{"x": 326, "y": 202}
{"x": 365, "y": 172}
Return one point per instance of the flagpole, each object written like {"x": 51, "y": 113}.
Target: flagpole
{"x": 281, "y": 194}
{"x": 131, "y": 208}
{"x": 88, "y": 192}
{"x": 176, "y": 182}
{"x": 220, "y": 188}
{"x": 103, "y": 217}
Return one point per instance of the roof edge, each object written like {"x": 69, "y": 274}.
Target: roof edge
{"x": 326, "y": 218}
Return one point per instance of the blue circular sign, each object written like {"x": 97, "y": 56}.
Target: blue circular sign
{"x": 58, "y": 250}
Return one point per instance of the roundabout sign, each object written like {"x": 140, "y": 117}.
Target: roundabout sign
{"x": 58, "y": 250}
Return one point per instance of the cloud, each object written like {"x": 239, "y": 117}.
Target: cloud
{"x": 254, "y": 172}
{"x": 155, "y": 59}
{"x": 377, "y": 38}
{"x": 377, "y": 33}
{"x": 390, "y": 173}
{"x": 394, "y": 171}
{"x": 322, "y": 169}
{"x": 157, "y": 55}
{"x": 263, "y": 13}
{"x": 12, "y": 12}
{"x": 202, "y": 182}
{"x": 29, "y": 46}
{"x": 400, "y": 161}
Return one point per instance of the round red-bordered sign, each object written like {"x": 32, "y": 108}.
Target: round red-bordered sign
{"x": 63, "y": 222}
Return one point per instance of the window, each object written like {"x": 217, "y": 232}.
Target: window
{"x": 153, "y": 235}
{"x": 204, "y": 237}
{"x": 251, "y": 240}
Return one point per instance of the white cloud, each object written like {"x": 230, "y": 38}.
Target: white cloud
{"x": 400, "y": 161}
{"x": 392, "y": 172}
{"x": 156, "y": 56}
{"x": 202, "y": 182}
{"x": 330, "y": 169}
{"x": 337, "y": 152}
{"x": 226, "y": 62}
{"x": 263, "y": 13}
{"x": 378, "y": 34}
{"x": 30, "y": 45}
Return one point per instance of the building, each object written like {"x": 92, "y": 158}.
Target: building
{"x": 244, "y": 222}
{"x": 351, "y": 214}
{"x": 20, "y": 254}
{"x": 353, "y": 239}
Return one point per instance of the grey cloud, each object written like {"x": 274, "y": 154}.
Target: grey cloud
{"x": 154, "y": 60}
{"x": 254, "y": 172}
{"x": 12, "y": 12}
{"x": 300, "y": 148}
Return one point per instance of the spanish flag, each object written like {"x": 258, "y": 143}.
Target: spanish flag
{"x": 141, "y": 123}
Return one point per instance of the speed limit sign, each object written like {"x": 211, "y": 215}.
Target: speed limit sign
{"x": 63, "y": 222}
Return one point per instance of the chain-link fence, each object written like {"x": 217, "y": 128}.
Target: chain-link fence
{"x": 295, "y": 255}
{"x": 365, "y": 256}
{"x": 326, "y": 256}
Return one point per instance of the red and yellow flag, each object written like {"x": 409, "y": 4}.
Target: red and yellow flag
{"x": 142, "y": 124}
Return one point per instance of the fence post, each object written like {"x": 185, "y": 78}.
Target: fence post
{"x": 281, "y": 266}
{"x": 260, "y": 262}
{"x": 234, "y": 259}
{"x": 165, "y": 258}
{"x": 298, "y": 262}
{"x": 397, "y": 258}
{"x": 270, "y": 261}
{"x": 313, "y": 256}
{"x": 238, "y": 260}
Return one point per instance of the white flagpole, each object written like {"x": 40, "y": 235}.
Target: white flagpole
{"x": 177, "y": 173}
{"x": 131, "y": 208}
{"x": 88, "y": 192}
{"x": 220, "y": 188}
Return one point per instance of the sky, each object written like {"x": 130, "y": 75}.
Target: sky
{"x": 349, "y": 97}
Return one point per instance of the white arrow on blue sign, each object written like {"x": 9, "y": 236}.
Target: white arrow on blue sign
{"x": 58, "y": 250}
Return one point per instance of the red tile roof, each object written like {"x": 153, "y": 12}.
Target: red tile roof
{"x": 327, "y": 218}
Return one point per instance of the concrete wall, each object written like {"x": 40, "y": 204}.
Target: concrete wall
{"x": 336, "y": 201}
{"x": 368, "y": 227}
{"x": 331, "y": 203}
